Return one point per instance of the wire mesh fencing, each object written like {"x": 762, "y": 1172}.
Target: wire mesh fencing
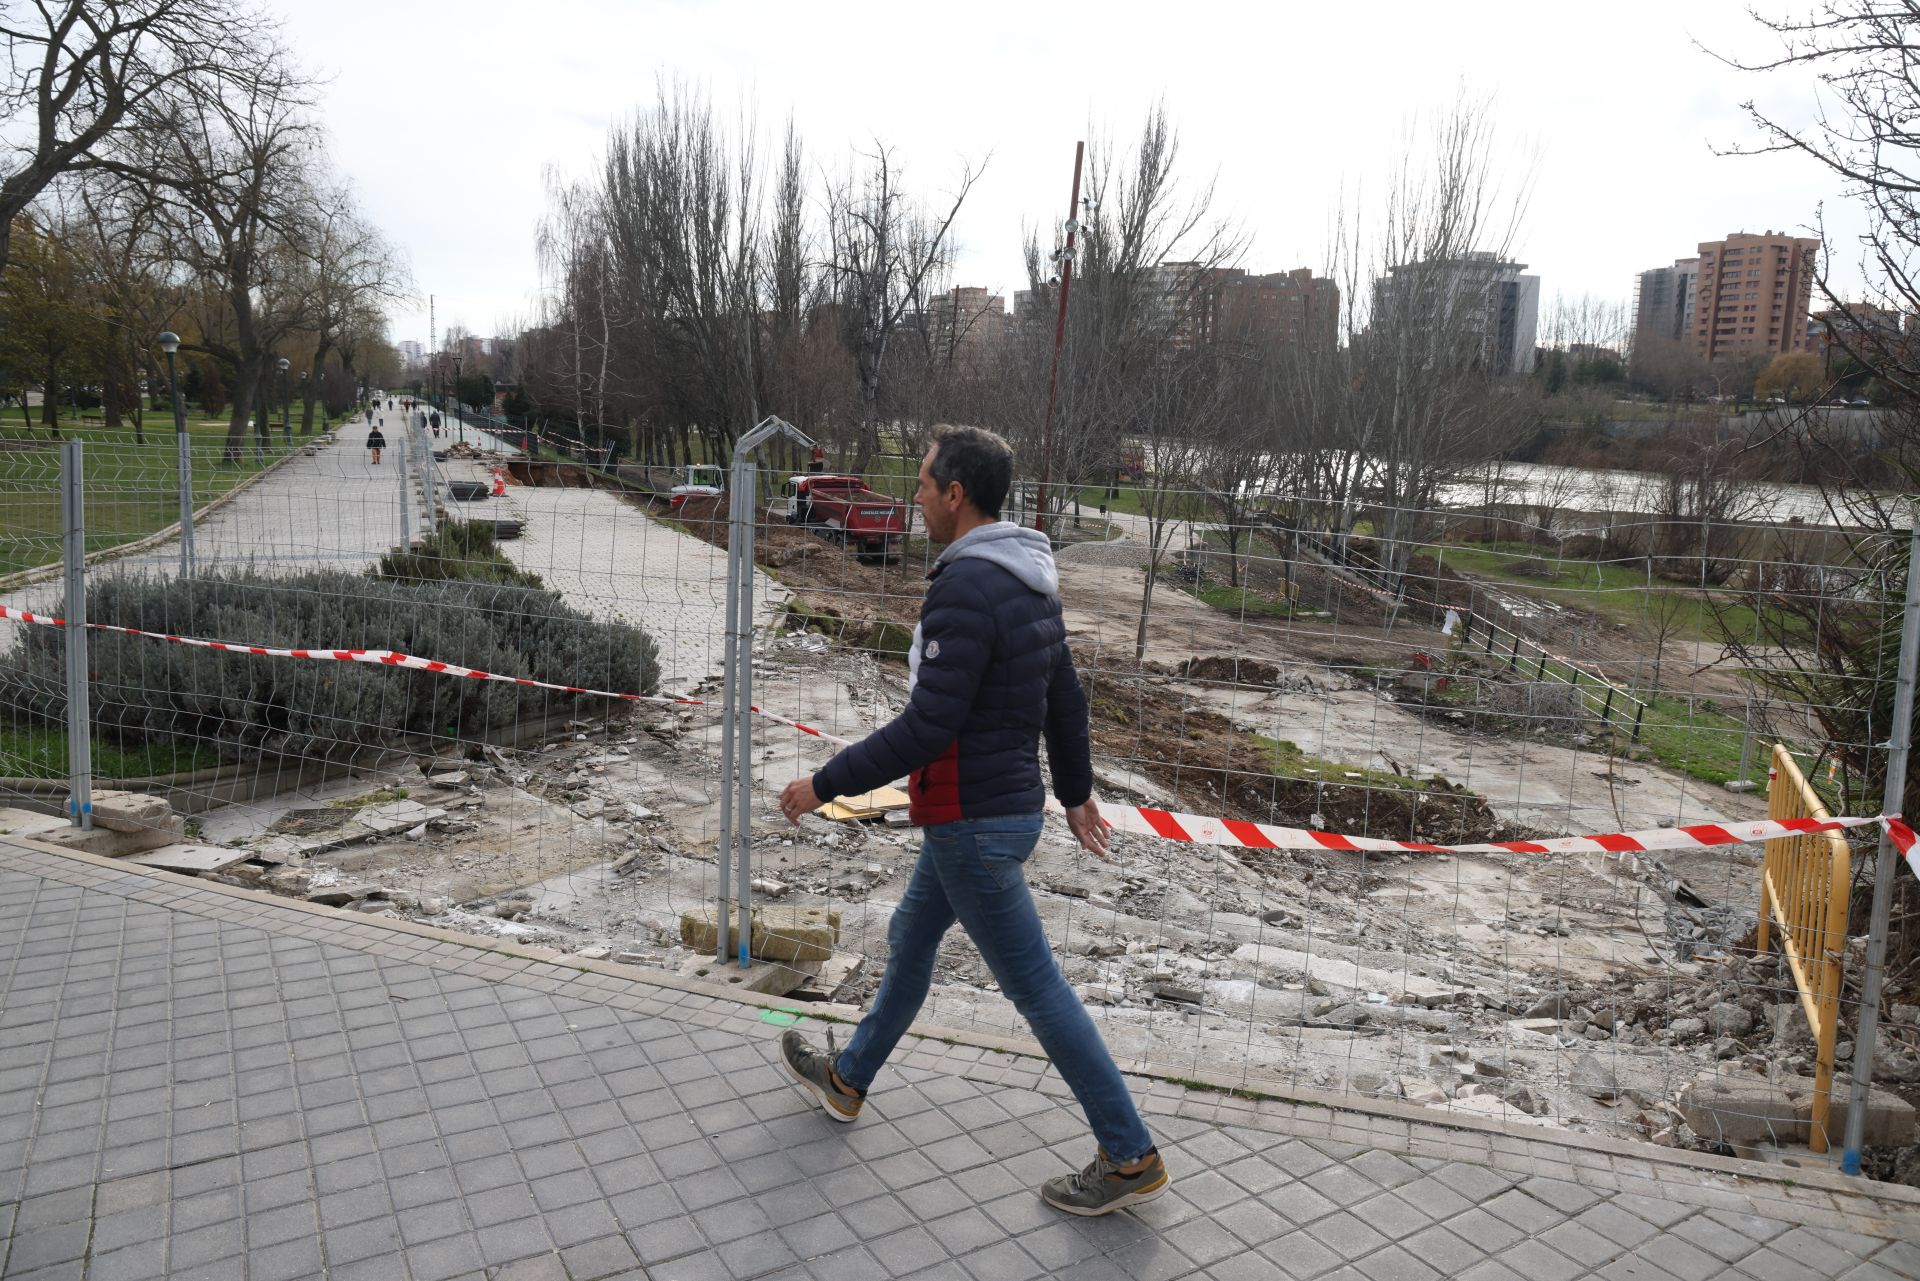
{"x": 1481, "y": 669}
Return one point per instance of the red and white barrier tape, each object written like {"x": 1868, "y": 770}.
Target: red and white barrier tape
{"x": 1137, "y": 819}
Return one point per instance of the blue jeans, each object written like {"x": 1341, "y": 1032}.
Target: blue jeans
{"x": 975, "y": 871}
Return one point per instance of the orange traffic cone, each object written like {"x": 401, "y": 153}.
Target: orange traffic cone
{"x": 499, "y": 484}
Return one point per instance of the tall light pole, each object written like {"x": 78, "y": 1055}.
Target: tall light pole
{"x": 170, "y": 343}
{"x": 306, "y": 407}
{"x": 286, "y": 400}
{"x": 456, "y": 396}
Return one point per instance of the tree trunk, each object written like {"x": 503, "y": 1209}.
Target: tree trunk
{"x": 50, "y": 398}
{"x": 246, "y": 378}
{"x": 1146, "y": 608}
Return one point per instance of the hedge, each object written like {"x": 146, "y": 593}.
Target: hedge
{"x": 146, "y": 690}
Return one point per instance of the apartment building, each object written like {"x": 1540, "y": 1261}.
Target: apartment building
{"x": 1486, "y": 301}
{"x": 969, "y": 325}
{"x": 1751, "y": 296}
{"x": 1280, "y": 308}
{"x": 1663, "y": 300}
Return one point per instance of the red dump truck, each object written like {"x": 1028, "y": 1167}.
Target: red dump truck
{"x": 842, "y": 508}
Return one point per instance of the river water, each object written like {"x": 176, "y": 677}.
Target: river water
{"x": 1601, "y": 490}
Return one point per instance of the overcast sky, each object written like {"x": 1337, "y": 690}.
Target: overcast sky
{"x": 447, "y": 116}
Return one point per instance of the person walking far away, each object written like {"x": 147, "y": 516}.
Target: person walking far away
{"x": 989, "y": 672}
{"x": 375, "y": 443}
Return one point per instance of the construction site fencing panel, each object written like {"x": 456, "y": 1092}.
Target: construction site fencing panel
{"x": 1240, "y": 660}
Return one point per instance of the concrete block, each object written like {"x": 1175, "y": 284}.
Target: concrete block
{"x": 107, "y": 843}
{"x": 1739, "y": 1108}
{"x": 1890, "y": 1118}
{"x": 780, "y": 933}
{"x": 119, "y": 811}
{"x": 771, "y": 978}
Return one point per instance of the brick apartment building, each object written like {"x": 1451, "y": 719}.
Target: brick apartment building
{"x": 968, "y": 324}
{"x": 1751, "y": 296}
{"x": 1280, "y": 308}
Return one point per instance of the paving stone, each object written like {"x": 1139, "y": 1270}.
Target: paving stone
{"x": 496, "y": 1124}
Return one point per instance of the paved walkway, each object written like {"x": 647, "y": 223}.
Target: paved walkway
{"x": 327, "y": 507}
{"x": 201, "y": 1082}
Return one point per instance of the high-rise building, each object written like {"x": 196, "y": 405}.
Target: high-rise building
{"x": 1663, "y": 299}
{"x": 1495, "y": 305}
{"x": 1752, "y": 296}
{"x": 412, "y": 352}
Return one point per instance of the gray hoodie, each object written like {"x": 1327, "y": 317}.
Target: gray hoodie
{"x": 1024, "y": 553}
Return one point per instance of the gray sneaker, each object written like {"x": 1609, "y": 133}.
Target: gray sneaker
{"x": 1101, "y": 1188}
{"x": 815, "y": 1071}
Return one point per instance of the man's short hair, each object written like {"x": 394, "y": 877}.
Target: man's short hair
{"x": 981, "y": 460}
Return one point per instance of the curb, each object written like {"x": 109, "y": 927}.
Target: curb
{"x": 1827, "y": 1180}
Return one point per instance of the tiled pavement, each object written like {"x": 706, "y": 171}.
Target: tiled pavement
{"x": 198, "y": 1083}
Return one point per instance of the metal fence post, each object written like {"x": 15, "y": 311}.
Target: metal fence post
{"x": 79, "y": 708}
{"x": 406, "y": 499}
{"x": 743, "y": 503}
{"x": 1885, "y": 867}
{"x": 735, "y": 862}
{"x": 185, "y": 467}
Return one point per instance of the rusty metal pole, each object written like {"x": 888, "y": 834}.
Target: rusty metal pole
{"x": 1059, "y": 340}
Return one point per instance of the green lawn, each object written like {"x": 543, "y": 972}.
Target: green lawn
{"x": 1239, "y": 601}
{"x": 1696, "y": 741}
{"x": 42, "y": 753}
{"x": 131, "y": 489}
{"x": 1285, "y": 759}
{"x": 1618, "y": 591}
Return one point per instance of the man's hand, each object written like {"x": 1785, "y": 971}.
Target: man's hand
{"x": 1088, "y": 827}
{"x": 798, "y": 800}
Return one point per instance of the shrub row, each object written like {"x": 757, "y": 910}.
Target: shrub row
{"x": 146, "y": 690}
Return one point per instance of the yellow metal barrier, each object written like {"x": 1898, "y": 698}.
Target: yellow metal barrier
{"x": 1803, "y": 893}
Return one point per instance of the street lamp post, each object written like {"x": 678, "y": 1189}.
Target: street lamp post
{"x": 170, "y": 343}
{"x": 286, "y": 400}
{"x": 306, "y": 407}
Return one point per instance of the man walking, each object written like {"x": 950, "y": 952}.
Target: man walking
{"x": 989, "y": 672}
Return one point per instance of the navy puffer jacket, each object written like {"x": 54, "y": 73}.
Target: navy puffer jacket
{"x": 990, "y": 673}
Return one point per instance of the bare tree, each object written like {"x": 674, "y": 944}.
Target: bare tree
{"x": 1425, "y": 371}
{"x": 356, "y": 272}
{"x": 886, "y": 253}
{"x": 79, "y": 72}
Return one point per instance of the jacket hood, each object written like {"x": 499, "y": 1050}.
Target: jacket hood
{"x": 1024, "y": 553}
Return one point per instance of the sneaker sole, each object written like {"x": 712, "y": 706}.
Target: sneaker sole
{"x": 820, "y": 1096}
{"x": 1128, "y": 1201}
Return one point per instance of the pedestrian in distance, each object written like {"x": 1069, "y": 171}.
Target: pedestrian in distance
{"x": 989, "y": 672}
{"x": 375, "y": 443}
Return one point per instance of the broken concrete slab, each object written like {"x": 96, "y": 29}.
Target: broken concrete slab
{"x": 780, "y": 933}
{"x": 341, "y": 892}
{"x": 396, "y": 816}
{"x": 834, "y": 974}
{"x": 1890, "y": 1118}
{"x": 191, "y": 859}
{"x": 1739, "y": 1108}
{"x": 1340, "y": 976}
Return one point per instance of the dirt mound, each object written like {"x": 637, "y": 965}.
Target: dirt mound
{"x": 841, "y": 595}
{"x": 1216, "y": 769}
{"x": 1230, "y": 671}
